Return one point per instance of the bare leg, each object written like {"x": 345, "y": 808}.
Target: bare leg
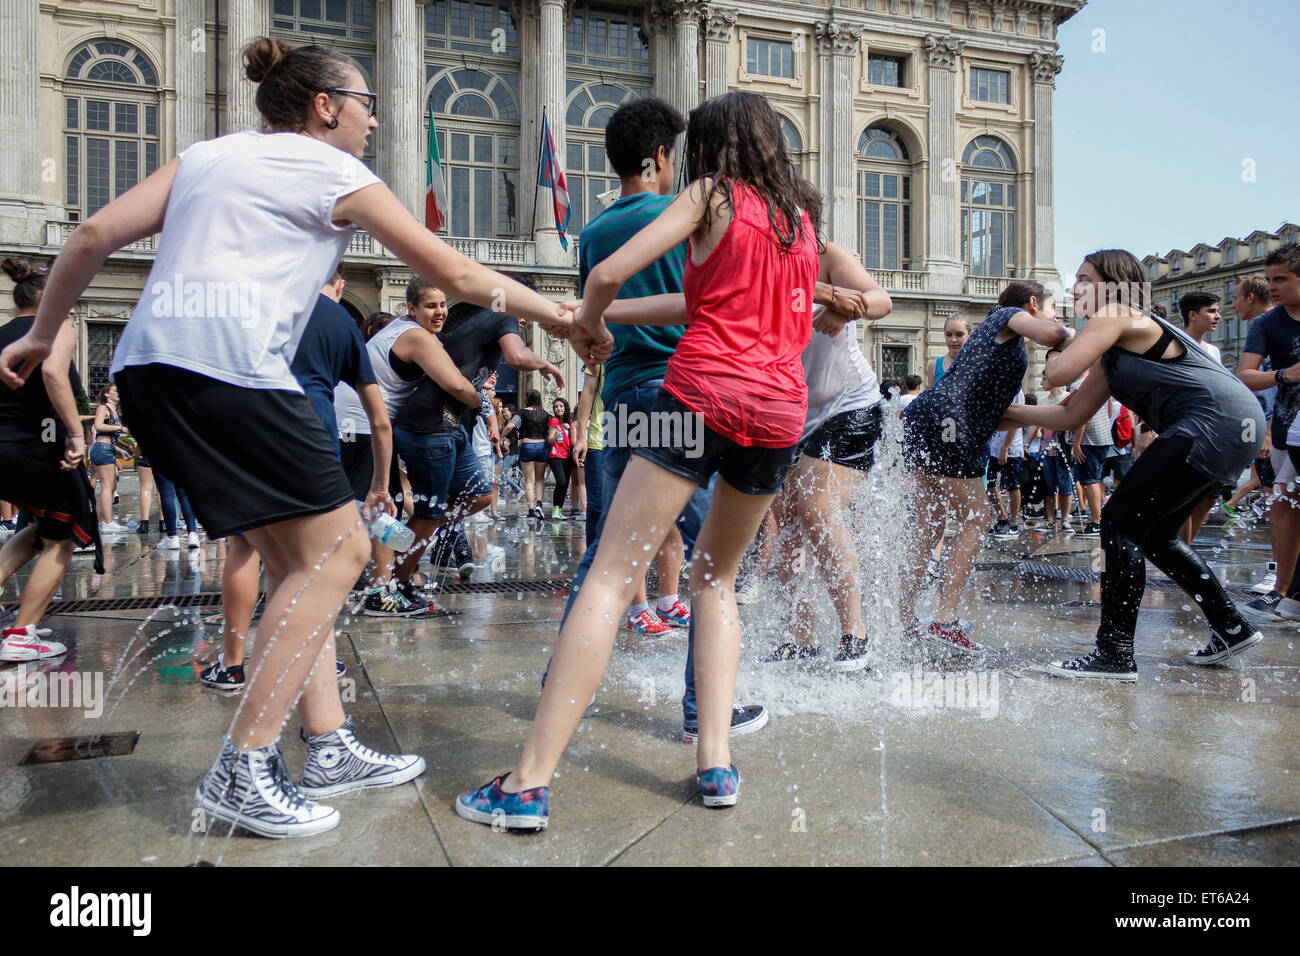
{"x": 47, "y": 574}
{"x": 1192, "y": 526}
{"x": 146, "y": 492}
{"x": 239, "y": 580}
{"x": 965, "y": 496}
{"x": 1284, "y": 533}
{"x": 648, "y": 500}
{"x": 17, "y": 551}
{"x": 316, "y": 560}
{"x": 106, "y": 475}
{"x": 931, "y": 518}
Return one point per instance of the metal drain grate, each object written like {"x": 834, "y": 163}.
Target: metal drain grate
{"x": 151, "y": 602}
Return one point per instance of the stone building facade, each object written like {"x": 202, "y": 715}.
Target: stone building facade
{"x": 927, "y": 125}
{"x": 1216, "y": 268}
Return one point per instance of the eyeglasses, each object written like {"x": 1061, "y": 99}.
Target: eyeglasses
{"x": 371, "y": 98}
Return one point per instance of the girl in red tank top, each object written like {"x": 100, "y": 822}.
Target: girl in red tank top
{"x": 733, "y": 406}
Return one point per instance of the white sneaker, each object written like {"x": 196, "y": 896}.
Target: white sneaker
{"x": 255, "y": 791}
{"x": 170, "y": 543}
{"x": 193, "y": 540}
{"x": 112, "y": 527}
{"x": 750, "y": 591}
{"x": 1269, "y": 581}
{"x": 26, "y": 644}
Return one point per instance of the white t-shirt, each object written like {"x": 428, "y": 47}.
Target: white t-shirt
{"x": 1214, "y": 351}
{"x": 481, "y": 441}
{"x": 840, "y": 379}
{"x": 1017, "y": 449}
{"x": 907, "y": 398}
{"x": 246, "y": 245}
{"x": 349, "y": 413}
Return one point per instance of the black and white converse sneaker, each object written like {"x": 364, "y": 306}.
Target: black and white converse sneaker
{"x": 745, "y": 719}
{"x": 255, "y": 791}
{"x": 1224, "y": 645}
{"x": 218, "y": 675}
{"x": 852, "y": 654}
{"x": 1098, "y": 665}
{"x": 339, "y": 763}
{"x": 790, "y": 651}
{"x": 1265, "y": 607}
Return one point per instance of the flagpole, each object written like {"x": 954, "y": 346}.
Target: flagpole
{"x": 537, "y": 179}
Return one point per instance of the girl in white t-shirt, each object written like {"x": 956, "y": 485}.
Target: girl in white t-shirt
{"x": 252, "y": 225}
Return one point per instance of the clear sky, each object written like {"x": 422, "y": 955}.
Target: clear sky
{"x": 1153, "y": 126}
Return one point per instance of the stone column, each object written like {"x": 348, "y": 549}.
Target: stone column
{"x": 662, "y": 55}
{"x": 717, "y": 39}
{"x": 1044, "y": 67}
{"x": 191, "y": 71}
{"x": 527, "y": 27}
{"x": 22, "y": 212}
{"x": 686, "y": 65}
{"x": 247, "y": 19}
{"x": 837, "y": 46}
{"x": 943, "y": 262}
{"x": 399, "y": 83}
{"x": 551, "y": 74}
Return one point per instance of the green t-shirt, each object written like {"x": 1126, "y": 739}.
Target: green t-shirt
{"x": 641, "y": 352}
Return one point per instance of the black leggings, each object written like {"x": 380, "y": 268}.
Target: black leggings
{"x": 1142, "y": 518}
{"x": 560, "y": 471}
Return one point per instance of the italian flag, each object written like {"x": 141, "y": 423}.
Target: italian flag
{"x": 435, "y": 197}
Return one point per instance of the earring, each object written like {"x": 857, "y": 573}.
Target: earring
{"x": 333, "y": 123}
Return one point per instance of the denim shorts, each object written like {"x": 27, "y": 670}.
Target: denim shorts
{"x": 1056, "y": 475}
{"x": 101, "y": 453}
{"x": 442, "y": 468}
{"x": 534, "y": 451}
{"x": 749, "y": 469}
{"x": 1088, "y": 471}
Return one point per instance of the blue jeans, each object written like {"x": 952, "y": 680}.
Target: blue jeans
{"x": 614, "y": 459}
{"x": 168, "y": 493}
{"x": 442, "y": 467}
{"x": 595, "y": 482}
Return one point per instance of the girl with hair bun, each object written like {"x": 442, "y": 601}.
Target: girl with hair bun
{"x": 43, "y": 477}
{"x": 252, "y": 225}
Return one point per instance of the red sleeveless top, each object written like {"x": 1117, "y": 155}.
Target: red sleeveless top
{"x": 740, "y": 365}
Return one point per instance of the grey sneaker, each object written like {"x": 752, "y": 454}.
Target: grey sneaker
{"x": 339, "y": 763}
{"x": 254, "y": 791}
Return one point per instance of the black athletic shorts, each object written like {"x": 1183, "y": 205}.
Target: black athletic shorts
{"x": 358, "y": 464}
{"x": 59, "y": 501}
{"x": 749, "y": 469}
{"x": 847, "y": 439}
{"x": 247, "y": 457}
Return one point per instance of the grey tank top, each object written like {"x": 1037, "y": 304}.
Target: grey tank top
{"x": 1191, "y": 395}
{"x": 395, "y": 389}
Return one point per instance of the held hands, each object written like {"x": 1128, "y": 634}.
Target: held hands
{"x": 849, "y": 302}
{"x": 19, "y": 359}
{"x": 553, "y": 373}
{"x": 593, "y": 342}
{"x": 831, "y": 322}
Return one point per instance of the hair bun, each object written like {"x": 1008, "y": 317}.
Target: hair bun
{"x": 263, "y": 55}
{"x": 17, "y": 270}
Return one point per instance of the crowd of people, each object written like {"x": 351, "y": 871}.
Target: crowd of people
{"x": 292, "y": 432}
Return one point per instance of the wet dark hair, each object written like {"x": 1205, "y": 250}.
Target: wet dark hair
{"x": 736, "y": 138}
{"x": 337, "y": 274}
{"x": 1193, "y": 302}
{"x": 1120, "y": 268}
{"x": 416, "y": 288}
{"x": 533, "y": 399}
{"x": 29, "y": 281}
{"x": 374, "y": 322}
{"x": 288, "y": 79}
{"x": 566, "y": 416}
{"x": 1160, "y": 310}
{"x": 103, "y": 394}
{"x": 912, "y": 381}
{"x": 1017, "y": 294}
{"x": 1031, "y": 398}
{"x": 636, "y": 131}
{"x": 1288, "y": 255}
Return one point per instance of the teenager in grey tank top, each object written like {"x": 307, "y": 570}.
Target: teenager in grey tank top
{"x": 1210, "y": 428}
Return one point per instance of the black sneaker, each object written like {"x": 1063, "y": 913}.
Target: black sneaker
{"x": 1090, "y": 530}
{"x": 416, "y": 595}
{"x": 462, "y": 558}
{"x": 339, "y": 667}
{"x": 1098, "y": 665}
{"x": 221, "y": 677}
{"x": 1005, "y": 531}
{"x": 1265, "y": 607}
{"x": 1000, "y": 527}
{"x": 852, "y": 654}
{"x": 255, "y": 791}
{"x": 142, "y": 528}
{"x": 744, "y": 720}
{"x": 1222, "y": 646}
{"x": 790, "y": 651}
{"x": 391, "y": 602}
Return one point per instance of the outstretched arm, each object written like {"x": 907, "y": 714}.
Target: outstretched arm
{"x": 1071, "y": 416}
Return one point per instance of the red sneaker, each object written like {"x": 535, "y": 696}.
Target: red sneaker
{"x": 24, "y": 644}
{"x": 952, "y": 637}
{"x": 647, "y": 622}
{"x": 679, "y": 615}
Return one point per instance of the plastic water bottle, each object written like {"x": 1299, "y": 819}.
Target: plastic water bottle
{"x": 389, "y": 532}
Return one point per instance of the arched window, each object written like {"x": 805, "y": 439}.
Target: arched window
{"x": 478, "y": 141}
{"x": 988, "y": 207}
{"x": 586, "y": 165}
{"x": 111, "y": 141}
{"x": 884, "y": 220}
{"x": 793, "y": 144}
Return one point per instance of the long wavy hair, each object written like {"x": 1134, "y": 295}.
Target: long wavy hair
{"x": 737, "y": 137}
